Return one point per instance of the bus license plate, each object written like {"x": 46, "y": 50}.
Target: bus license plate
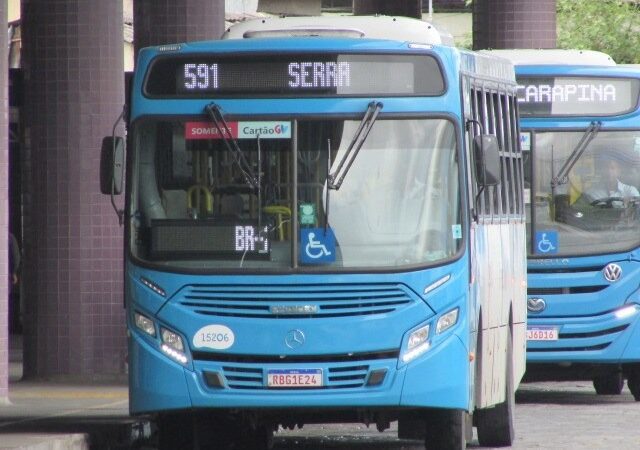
{"x": 294, "y": 378}
{"x": 542, "y": 333}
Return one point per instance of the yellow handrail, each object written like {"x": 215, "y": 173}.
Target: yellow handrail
{"x": 194, "y": 201}
{"x": 281, "y": 212}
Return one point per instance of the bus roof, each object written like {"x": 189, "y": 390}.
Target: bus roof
{"x": 487, "y": 65}
{"x": 375, "y": 27}
{"x": 558, "y": 57}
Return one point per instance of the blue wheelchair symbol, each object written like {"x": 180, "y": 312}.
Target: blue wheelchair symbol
{"x": 547, "y": 242}
{"x": 317, "y": 246}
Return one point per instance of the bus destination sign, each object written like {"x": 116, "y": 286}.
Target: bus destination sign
{"x": 220, "y": 238}
{"x": 296, "y": 75}
{"x": 572, "y": 96}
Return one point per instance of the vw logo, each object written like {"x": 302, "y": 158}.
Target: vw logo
{"x": 536, "y": 305}
{"x": 612, "y": 273}
{"x": 294, "y": 339}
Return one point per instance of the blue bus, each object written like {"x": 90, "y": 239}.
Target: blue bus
{"x": 580, "y": 121}
{"x": 324, "y": 222}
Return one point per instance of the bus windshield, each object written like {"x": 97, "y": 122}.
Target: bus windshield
{"x": 192, "y": 207}
{"x": 594, "y": 205}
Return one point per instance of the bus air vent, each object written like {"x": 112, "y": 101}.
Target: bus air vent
{"x": 296, "y": 301}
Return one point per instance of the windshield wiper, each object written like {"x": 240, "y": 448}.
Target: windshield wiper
{"x": 335, "y": 178}
{"x": 232, "y": 145}
{"x": 588, "y": 136}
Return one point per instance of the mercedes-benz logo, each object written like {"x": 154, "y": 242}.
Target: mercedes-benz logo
{"x": 294, "y": 339}
{"x": 536, "y": 305}
{"x": 612, "y": 272}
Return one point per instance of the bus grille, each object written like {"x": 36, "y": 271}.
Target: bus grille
{"x": 339, "y": 377}
{"x": 566, "y": 290}
{"x": 295, "y": 301}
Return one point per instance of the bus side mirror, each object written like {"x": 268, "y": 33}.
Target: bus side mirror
{"x": 487, "y": 157}
{"x": 112, "y": 165}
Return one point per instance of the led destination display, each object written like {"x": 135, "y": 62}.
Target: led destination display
{"x": 567, "y": 96}
{"x": 294, "y": 75}
{"x": 176, "y": 238}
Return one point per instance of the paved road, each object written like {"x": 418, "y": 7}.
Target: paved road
{"x": 549, "y": 415}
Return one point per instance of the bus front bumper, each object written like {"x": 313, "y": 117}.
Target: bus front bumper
{"x": 609, "y": 338}
{"x": 438, "y": 378}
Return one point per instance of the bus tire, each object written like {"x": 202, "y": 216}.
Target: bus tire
{"x": 411, "y": 426}
{"x": 495, "y": 424}
{"x": 445, "y": 429}
{"x": 259, "y": 438}
{"x": 609, "y": 384}
{"x": 176, "y": 432}
{"x": 633, "y": 382}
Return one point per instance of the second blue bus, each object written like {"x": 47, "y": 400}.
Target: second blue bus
{"x": 580, "y": 122}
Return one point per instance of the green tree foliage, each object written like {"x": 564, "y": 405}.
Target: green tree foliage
{"x": 609, "y": 26}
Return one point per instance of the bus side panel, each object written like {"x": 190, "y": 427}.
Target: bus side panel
{"x": 519, "y": 304}
{"x": 500, "y": 291}
{"x": 489, "y": 260}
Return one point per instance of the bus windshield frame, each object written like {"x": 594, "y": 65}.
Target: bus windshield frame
{"x": 598, "y": 199}
{"x": 425, "y": 186}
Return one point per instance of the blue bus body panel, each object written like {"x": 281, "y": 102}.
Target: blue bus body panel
{"x": 275, "y": 107}
{"x": 433, "y": 379}
{"x": 592, "y": 294}
{"x": 597, "y": 320}
{"x": 161, "y": 384}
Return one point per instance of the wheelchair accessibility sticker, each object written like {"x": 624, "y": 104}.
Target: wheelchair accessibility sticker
{"x": 547, "y": 242}
{"x": 317, "y": 246}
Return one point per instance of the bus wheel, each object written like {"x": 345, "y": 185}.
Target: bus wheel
{"x": 633, "y": 382}
{"x": 495, "y": 424}
{"x": 175, "y": 431}
{"x": 445, "y": 429}
{"x": 609, "y": 384}
{"x": 260, "y": 438}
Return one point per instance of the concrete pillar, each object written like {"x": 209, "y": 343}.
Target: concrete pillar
{"x": 157, "y": 22}
{"x": 72, "y": 55}
{"x": 4, "y": 210}
{"x": 499, "y": 24}
{"x": 408, "y": 8}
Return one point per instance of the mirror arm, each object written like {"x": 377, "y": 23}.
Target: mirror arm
{"x": 119, "y": 211}
{"x": 476, "y": 206}
{"x": 475, "y": 122}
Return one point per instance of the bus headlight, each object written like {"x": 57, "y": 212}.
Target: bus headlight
{"x": 417, "y": 344}
{"x": 144, "y": 324}
{"x": 626, "y": 311}
{"x": 172, "y": 345}
{"x": 447, "y": 320}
